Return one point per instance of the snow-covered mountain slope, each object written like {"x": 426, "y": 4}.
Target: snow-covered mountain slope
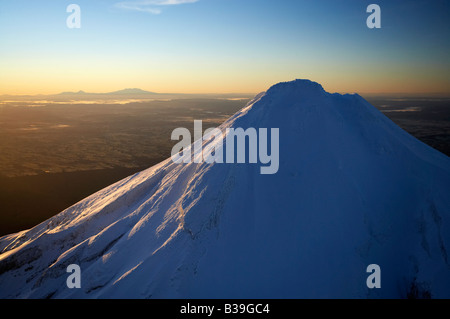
{"x": 353, "y": 189}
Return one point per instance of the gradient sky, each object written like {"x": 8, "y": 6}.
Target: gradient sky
{"x": 218, "y": 46}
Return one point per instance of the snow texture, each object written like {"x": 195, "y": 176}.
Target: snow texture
{"x": 353, "y": 189}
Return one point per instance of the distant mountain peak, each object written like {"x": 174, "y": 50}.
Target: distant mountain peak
{"x": 132, "y": 91}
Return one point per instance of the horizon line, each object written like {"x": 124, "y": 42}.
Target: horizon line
{"x": 440, "y": 94}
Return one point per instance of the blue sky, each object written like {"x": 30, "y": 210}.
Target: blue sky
{"x": 224, "y": 45}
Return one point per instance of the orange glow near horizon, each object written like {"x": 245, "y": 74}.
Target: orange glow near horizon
{"x": 54, "y": 83}
{"x": 95, "y": 74}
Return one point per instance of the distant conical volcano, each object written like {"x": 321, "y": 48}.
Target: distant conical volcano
{"x": 352, "y": 189}
{"x": 132, "y": 91}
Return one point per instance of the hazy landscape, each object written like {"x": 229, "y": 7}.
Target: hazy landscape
{"x": 427, "y": 118}
{"x": 54, "y": 154}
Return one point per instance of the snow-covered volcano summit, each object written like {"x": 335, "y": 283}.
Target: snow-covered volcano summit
{"x": 352, "y": 189}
